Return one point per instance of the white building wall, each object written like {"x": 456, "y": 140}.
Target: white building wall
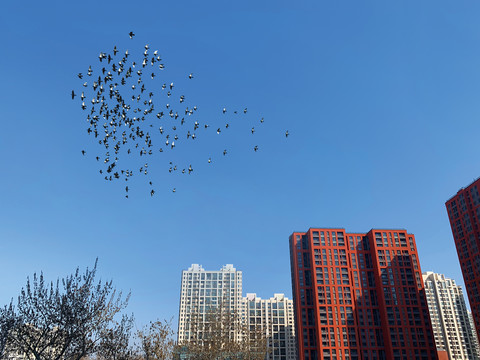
{"x": 203, "y": 290}
{"x": 275, "y": 317}
{"x": 476, "y": 344}
{"x": 450, "y": 321}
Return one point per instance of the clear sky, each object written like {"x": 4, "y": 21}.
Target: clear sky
{"x": 381, "y": 99}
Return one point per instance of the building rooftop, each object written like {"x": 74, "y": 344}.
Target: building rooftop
{"x": 352, "y": 232}
{"x": 197, "y": 267}
{"x": 463, "y": 188}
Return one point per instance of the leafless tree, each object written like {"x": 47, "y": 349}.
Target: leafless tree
{"x": 115, "y": 341}
{"x": 156, "y": 341}
{"x": 222, "y": 334}
{"x": 64, "y": 320}
{"x": 7, "y": 323}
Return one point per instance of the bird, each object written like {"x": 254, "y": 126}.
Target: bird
{"x": 262, "y": 120}
{"x": 209, "y": 160}
{"x": 190, "y": 169}
{"x": 73, "y": 94}
{"x": 83, "y": 152}
{"x": 131, "y": 34}
{"x": 224, "y": 110}
{"x": 152, "y": 192}
{"x": 174, "y": 190}
{"x": 253, "y": 130}
{"x": 224, "y": 152}
{"x": 286, "y": 133}
{"x": 219, "y": 131}
{"x": 80, "y": 75}
{"x": 190, "y": 76}
{"x": 255, "y": 148}
{"x": 245, "y": 110}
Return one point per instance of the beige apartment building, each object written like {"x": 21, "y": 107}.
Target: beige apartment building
{"x": 451, "y": 323}
{"x": 275, "y": 317}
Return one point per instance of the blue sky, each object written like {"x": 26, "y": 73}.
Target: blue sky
{"x": 380, "y": 99}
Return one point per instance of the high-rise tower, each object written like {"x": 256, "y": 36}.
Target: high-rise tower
{"x": 450, "y": 319}
{"x": 464, "y": 214}
{"x": 274, "y": 318}
{"x": 203, "y": 291}
{"x": 359, "y": 296}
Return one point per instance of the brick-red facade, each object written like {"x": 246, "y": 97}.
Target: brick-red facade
{"x": 359, "y": 296}
{"x": 464, "y": 214}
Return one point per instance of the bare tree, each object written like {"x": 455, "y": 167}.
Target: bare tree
{"x": 222, "y": 334}
{"x": 7, "y": 323}
{"x": 64, "y": 320}
{"x": 156, "y": 341}
{"x": 114, "y": 343}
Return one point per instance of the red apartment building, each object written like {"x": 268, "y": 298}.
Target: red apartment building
{"x": 359, "y": 296}
{"x": 464, "y": 214}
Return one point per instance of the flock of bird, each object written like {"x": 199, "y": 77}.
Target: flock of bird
{"x": 123, "y": 115}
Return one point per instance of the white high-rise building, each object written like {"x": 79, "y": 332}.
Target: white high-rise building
{"x": 202, "y": 291}
{"x": 274, "y": 316}
{"x": 476, "y": 344}
{"x": 450, "y": 321}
